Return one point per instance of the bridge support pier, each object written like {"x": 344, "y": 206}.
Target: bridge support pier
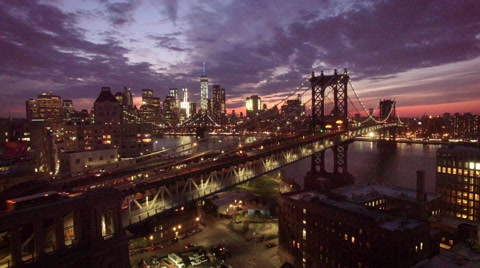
{"x": 388, "y": 136}
{"x": 318, "y": 179}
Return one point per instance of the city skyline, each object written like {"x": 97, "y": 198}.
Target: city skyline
{"x": 424, "y": 55}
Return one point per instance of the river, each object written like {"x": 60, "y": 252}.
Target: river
{"x": 366, "y": 164}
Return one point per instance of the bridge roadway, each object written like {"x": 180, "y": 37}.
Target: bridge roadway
{"x": 181, "y": 185}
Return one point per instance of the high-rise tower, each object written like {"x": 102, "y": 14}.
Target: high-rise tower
{"x": 127, "y": 97}
{"x": 218, "y": 112}
{"x": 185, "y": 105}
{"x": 254, "y": 104}
{"x": 204, "y": 91}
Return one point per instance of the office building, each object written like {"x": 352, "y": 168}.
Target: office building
{"x": 47, "y": 106}
{"x": 174, "y": 93}
{"x": 458, "y": 181}
{"x": 316, "y": 230}
{"x": 292, "y": 108}
{"x": 148, "y": 110}
{"x": 170, "y": 112}
{"x": 219, "y": 110}
{"x": 193, "y": 108}
{"x": 127, "y": 98}
{"x": 254, "y": 105}
{"x": 204, "y": 91}
{"x": 67, "y": 110}
{"x": 147, "y": 96}
{"x": 76, "y": 162}
{"x": 184, "y": 105}
{"x": 107, "y": 108}
{"x": 464, "y": 127}
{"x": 131, "y": 140}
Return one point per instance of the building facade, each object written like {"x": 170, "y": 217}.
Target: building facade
{"x": 85, "y": 231}
{"x": 458, "y": 180}
{"x": 106, "y": 108}
{"x": 319, "y": 231}
{"x": 219, "y": 110}
{"x": 254, "y": 105}
{"x": 47, "y": 106}
{"x": 77, "y": 161}
{"x": 204, "y": 91}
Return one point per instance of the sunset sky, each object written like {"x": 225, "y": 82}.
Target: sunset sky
{"x": 423, "y": 54}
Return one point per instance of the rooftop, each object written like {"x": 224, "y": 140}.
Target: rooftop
{"x": 364, "y": 193}
{"x": 383, "y": 220}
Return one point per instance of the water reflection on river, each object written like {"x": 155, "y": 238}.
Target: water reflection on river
{"x": 366, "y": 164}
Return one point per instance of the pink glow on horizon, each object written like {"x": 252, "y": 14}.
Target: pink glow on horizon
{"x": 472, "y": 107}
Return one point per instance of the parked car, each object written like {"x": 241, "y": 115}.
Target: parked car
{"x": 195, "y": 262}
{"x": 190, "y": 245}
{"x": 167, "y": 262}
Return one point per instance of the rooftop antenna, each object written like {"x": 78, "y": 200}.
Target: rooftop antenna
{"x": 203, "y": 74}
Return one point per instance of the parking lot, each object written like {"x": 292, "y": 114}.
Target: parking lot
{"x": 238, "y": 251}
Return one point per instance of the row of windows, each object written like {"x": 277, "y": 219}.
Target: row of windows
{"x": 376, "y": 202}
{"x": 457, "y": 161}
{"x": 462, "y": 215}
{"x": 467, "y": 194}
{"x": 459, "y": 171}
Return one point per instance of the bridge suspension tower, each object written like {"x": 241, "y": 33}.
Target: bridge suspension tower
{"x": 338, "y": 117}
{"x": 388, "y": 114}
{"x": 318, "y": 178}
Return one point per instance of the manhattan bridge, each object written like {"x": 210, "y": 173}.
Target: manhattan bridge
{"x": 137, "y": 190}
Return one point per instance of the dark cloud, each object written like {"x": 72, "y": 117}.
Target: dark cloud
{"x": 250, "y": 47}
{"x": 395, "y": 36}
{"x": 121, "y": 13}
{"x": 43, "y": 50}
{"x": 168, "y": 41}
{"x": 171, "y": 8}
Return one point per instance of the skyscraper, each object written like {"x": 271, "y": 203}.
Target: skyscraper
{"x": 185, "y": 105}
{"x": 127, "y": 97}
{"x": 147, "y": 110}
{"x": 204, "y": 91}
{"x": 147, "y": 97}
{"x": 218, "y": 111}
{"x": 254, "y": 104}
{"x": 67, "y": 110}
{"x": 174, "y": 93}
{"x": 47, "y": 106}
